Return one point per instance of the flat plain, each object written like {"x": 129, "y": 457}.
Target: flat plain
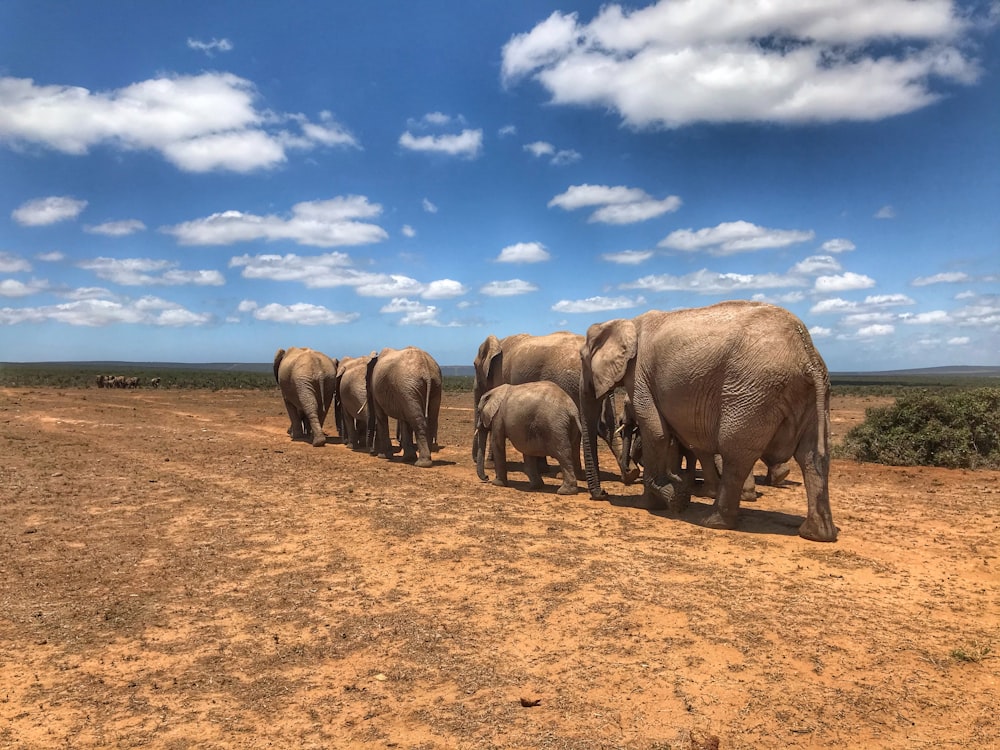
{"x": 177, "y": 573}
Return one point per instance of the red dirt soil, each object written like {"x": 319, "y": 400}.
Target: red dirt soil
{"x": 176, "y": 573}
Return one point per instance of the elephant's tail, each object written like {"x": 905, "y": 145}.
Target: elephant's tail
{"x": 821, "y": 384}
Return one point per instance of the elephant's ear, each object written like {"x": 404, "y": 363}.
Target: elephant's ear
{"x": 278, "y": 356}
{"x": 489, "y": 351}
{"x": 606, "y": 352}
{"x": 490, "y": 404}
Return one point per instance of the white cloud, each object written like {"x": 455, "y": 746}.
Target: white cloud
{"x": 959, "y": 341}
{"x": 429, "y": 207}
{"x": 15, "y": 288}
{"x": 838, "y": 305}
{"x": 524, "y": 252}
{"x": 389, "y": 286}
{"x": 507, "y": 130}
{"x": 509, "y": 288}
{"x": 326, "y": 223}
{"x": 617, "y": 205}
{"x": 540, "y": 148}
{"x": 951, "y": 277}
{"x": 50, "y": 210}
{"x": 103, "y": 312}
{"x": 300, "y": 313}
{"x": 712, "y": 282}
{"x": 886, "y": 212}
{"x": 51, "y": 257}
{"x": 408, "y": 231}
{"x": 876, "y": 330}
{"x": 559, "y": 158}
{"x": 816, "y": 264}
{"x": 843, "y": 282}
{"x": 677, "y": 62}
{"x": 565, "y": 156}
{"x": 598, "y": 304}
{"x": 444, "y": 289}
{"x": 210, "y": 47}
{"x": 628, "y": 257}
{"x": 932, "y": 317}
{"x": 467, "y": 144}
{"x": 733, "y": 237}
{"x": 414, "y": 313}
{"x": 837, "y": 246}
{"x": 10, "y": 263}
{"x": 116, "y": 228}
{"x": 198, "y": 123}
{"x": 146, "y": 271}
{"x": 820, "y": 332}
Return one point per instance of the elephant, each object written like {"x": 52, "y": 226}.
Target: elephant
{"x": 308, "y": 380}
{"x": 351, "y": 402}
{"x": 739, "y": 379}
{"x": 523, "y": 358}
{"x": 539, "y": 419}
{"x": 404, "y": 384}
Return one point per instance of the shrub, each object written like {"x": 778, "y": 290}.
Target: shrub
{"x": 953, "y": 430}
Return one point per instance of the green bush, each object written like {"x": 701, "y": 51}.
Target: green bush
{"x": 952, "y": 430}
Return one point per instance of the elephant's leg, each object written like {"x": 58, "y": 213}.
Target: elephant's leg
{"x": 295, "y": 429}
{"x": 566, "y": 461}
{"x": 726, "y": 511}
{"x": 498, "y": 443}
{"x": 818, "y": 526}
{"x": 665, "y": 487}
{"x": 315, "y": 429}
{"x": 534, "y": 466}
{"x": 748, "y": 493}
{"x": 405, "y": 432}
{"x": 383, "y": 444}
{"x": 420, "y": 444}
{"x": 777, "y": 473}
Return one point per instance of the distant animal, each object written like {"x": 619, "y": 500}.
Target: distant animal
{"x": 154, "y": 382}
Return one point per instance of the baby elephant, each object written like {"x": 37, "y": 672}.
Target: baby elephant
{"x": 540, "y": 420}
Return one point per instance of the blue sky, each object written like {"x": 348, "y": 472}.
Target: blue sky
{"x": 202, "y": 182}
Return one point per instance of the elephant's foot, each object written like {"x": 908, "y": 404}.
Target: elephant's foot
{"x": 777, "y": 474}
{"x": 568, "y": 489}
{"x": 630, "y": 476}
{"x": 670, "y": 494}
{"x": 319, "y": 440}
{"x": 718, "y": 521}
{"x": 815, "y": 531}
{"x": 423, "y": 463}
{"x": 498, "y": 482}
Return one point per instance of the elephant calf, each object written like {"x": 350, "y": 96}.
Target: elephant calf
{"x": 540, "y": 420}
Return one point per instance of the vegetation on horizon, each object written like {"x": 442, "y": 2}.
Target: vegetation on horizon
{"x": 958, "y": 429}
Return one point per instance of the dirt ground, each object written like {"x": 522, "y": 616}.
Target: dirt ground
{"x": 176, "y": 573}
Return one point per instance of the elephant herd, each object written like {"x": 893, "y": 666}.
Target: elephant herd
{"x": 722, "y": 386}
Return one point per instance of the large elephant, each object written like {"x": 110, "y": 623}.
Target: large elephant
{"x": 539, "y": 419}
{"x": 351, "y": 402}
{"x": 404, "y": 384}
{"x": 523, "y": 358}
{"x": 738, "y": 379}
{"x": 307, "y": 379}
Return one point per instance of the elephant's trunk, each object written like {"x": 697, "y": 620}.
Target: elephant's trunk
{"x": 589, "y": 417}
{"x": 479, "y": 448}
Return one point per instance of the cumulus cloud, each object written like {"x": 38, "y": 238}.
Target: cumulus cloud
{"x": 524, "y": 252}
{"x": 95, "y": 312}
{"x": 615, "y": 204}
{"x": 408, "y": 231}
{"x": 677, "y": 62}
{"x": 932, "y": 317}
{"x": 116, "y": 228}
{"x": 210, "y": 47}
{"x": 876, "y": 330}
{"x": 198, "y": 123}
{"x": 559, "y": 158}
{"x": 10, "y": 263}
{"x": 444, "y": 289}
{"x": 628, "y": 257}
{"x": 149, "y": 272}
{"x": 733, "y": 237}
{"x": 510, "y": 288}
{"x": 300, "y": 313}
{"x": 712, "y": 282}
{"x": 468, "y": 144}
{"x": 413, "y": 313}
{"x": 843, "y": 282}
{"x": 950, "y": 277}
{"x": 839, "y": 245}
{"x": 15, "y": 288}
{"x": 43, "y": 211}
{"x": 598, "y": 304}
{"x": 325, "y": 223}
{"x": 872, "y": 302}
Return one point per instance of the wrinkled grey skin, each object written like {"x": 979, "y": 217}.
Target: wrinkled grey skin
{"x": 523, "y": 358}
{"x": 351, "y": 404}
{"x": 540, "y": 420}
{"x": 404, "y": 384}
{"x": 307, "y": 379}
{"x": 738, "y": 379}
